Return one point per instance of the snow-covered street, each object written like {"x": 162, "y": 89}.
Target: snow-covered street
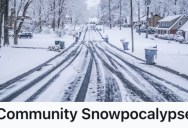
{"x": 92, "y": 70}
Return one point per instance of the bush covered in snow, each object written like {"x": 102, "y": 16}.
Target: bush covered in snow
{"x": 177, "y": 38}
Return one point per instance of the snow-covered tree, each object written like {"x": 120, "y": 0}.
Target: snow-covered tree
{"x": 78, "y": 12}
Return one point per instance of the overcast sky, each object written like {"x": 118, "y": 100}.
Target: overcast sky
{"x": 92, "y": 3}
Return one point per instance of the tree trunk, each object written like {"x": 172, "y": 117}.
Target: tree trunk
{"x": 40, "y": 19}
{"x": 1, "y": 20}
{"x": 59, "y": 14}
{"x": 132, "y": 32}
{"x": 17, "y": 29}
{"x": 147, "y": 21}
{"x": 110, "y": 17}
{"x": 139, "y": 24}
{"x": 120, "y": 13}
{"x": 53, "y": 23}
{"x": 6, "y": 23}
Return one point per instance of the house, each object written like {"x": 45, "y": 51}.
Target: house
{"x": 171, "y": 24}
{"x": 184, "y": 30}
{"x": 153, "y": 20}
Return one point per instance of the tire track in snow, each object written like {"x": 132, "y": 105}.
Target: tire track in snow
{"x": 70, "y": 93}
{"x": 24, "y": 75}
{"x": 134, "y": 91}
{"x": 168, "y": 94}
{"x": 44, "y": 87}
{"x": 38, "y": 79}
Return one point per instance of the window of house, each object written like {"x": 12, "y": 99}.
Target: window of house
{"x": 180, "y": 23}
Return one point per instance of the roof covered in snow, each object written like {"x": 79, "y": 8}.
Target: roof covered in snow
{"x": 170, "y": 18}
{"x": 184, "y": 27}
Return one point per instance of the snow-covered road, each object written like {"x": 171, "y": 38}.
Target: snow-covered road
{"x": 92, "y": 70}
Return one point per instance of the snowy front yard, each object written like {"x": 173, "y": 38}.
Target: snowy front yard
{"x": 15, "y": 61}
{"x": 170, "y": 54}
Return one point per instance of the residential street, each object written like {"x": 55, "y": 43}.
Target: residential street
{"x": 92, "y": 70}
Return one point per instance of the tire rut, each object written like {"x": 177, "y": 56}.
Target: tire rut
{"x": 164, "y": 91}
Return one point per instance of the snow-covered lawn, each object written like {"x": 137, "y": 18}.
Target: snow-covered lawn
{"x": 15, "y": 61}
{"x": 170, "y": 54}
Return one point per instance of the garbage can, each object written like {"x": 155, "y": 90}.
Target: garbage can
{"x": 106, "y": 38}
{"x": 125, "y": 44}
{"x": 57, "y": 42}
{"x": 150, "y": 54}
{"x": 62, "y": 45}
{"x": 76, "y": 37}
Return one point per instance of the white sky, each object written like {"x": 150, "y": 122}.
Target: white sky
{"x": 92, "y": 3}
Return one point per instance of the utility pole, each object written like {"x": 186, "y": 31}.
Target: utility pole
{"x": 147, "y": 20}
{"x": 132, "y": 33}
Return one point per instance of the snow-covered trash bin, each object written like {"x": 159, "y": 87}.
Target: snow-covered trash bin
{"x": 80, "y": 32}
{"x": 106, "y": 38}
{"x": 150, "y": 54}
{"x": 125, "y": 44}
{"x": 61, "y": 44}
{"x": 76, "y": 37}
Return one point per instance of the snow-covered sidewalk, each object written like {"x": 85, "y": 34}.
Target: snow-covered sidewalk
{"x": 170, "y": 54}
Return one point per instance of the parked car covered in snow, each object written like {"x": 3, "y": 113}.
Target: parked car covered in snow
{"x": 142, "y": 30}
{"x": 151, "y": 30}
{"x": 26, "y": 35}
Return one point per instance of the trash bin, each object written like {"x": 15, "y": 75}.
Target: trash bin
{"x": 62, "y": 44}
{"x": 57, "y": 42}
{"x": 150, "y": 54}
{"x": 106, "y": 38}
{"x": 125, "y": 44}
{"x": 76, "y": 37}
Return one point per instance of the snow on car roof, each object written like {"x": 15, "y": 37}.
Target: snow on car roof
{"x": 184, "y": 27}
{"x": 170, "y": 18}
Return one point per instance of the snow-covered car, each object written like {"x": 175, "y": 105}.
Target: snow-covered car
{"x": 151, "y": 30}
{"x": 141, "y": 30}
{"x": 25, "y": 35}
